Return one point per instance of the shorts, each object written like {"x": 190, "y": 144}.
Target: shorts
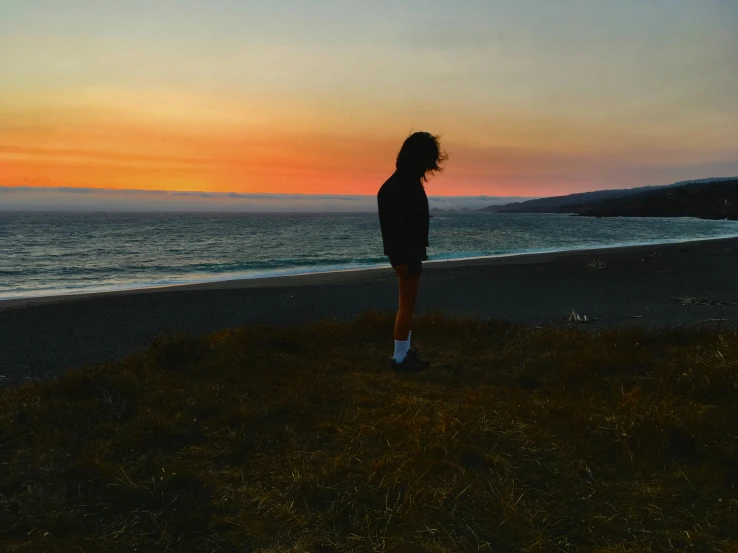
{"x": 414, "y": 267}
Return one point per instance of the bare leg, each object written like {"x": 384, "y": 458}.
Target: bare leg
{"x": 408, "y": 286}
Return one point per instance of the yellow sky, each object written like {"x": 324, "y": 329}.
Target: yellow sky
{"x": 530, "y": 98}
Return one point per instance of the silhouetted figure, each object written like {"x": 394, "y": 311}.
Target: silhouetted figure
{"x": 404, "y": 218}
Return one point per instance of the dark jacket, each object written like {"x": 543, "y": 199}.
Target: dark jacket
{"x": 404, "y": 218}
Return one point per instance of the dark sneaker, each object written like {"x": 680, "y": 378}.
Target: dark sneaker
{"x": 411, "y": 364}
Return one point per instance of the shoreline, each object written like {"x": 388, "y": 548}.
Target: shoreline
{"x": 262, "y": 280}
{"x": 676, "y": 284}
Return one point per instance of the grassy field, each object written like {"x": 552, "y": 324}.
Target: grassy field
{"x": 300, "y": 440}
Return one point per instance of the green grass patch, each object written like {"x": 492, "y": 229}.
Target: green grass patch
{"x": 300, "y": 440}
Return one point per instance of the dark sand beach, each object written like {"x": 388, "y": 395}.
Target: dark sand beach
{"x": 42, "y": 337}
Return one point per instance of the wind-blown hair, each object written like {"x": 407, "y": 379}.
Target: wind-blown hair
{"x": 421, "y": 155}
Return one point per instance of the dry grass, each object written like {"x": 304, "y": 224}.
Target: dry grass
{"x": 276, "y": 440}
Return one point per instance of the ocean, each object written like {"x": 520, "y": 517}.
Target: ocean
{"x": 63, "y": 253}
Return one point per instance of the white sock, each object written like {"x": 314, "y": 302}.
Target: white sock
{"x": 401, "y": 347}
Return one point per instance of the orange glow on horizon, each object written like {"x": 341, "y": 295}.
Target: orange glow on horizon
{"x": 154, "y": 157}
{"x": 288, "y": 149}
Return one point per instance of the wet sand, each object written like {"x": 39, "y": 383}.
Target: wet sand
{"x": 41, "y": 337}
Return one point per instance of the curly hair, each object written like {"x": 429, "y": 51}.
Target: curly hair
{"x": 421, "y": 155}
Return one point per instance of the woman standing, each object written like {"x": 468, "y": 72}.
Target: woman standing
{"x": 404, "y": 218}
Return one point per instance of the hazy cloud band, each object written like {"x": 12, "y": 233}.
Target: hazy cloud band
{"x": 23, "y": 198}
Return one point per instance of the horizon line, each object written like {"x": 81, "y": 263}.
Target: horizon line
{"x": 205, "y": 194}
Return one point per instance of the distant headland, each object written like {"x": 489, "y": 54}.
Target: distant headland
{"x": 710, "y": 198}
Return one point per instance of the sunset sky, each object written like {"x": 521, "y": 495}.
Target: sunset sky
{"x": 531, "y": 98}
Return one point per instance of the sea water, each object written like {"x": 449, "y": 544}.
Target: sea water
{"x": 61, "y": 253}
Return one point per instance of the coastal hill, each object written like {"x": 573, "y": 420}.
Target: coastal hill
{"x": 711, "y": 198}
{"x": 588, "y": 201}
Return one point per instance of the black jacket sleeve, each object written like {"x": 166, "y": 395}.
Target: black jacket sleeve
{"x": 393, "y": 220}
